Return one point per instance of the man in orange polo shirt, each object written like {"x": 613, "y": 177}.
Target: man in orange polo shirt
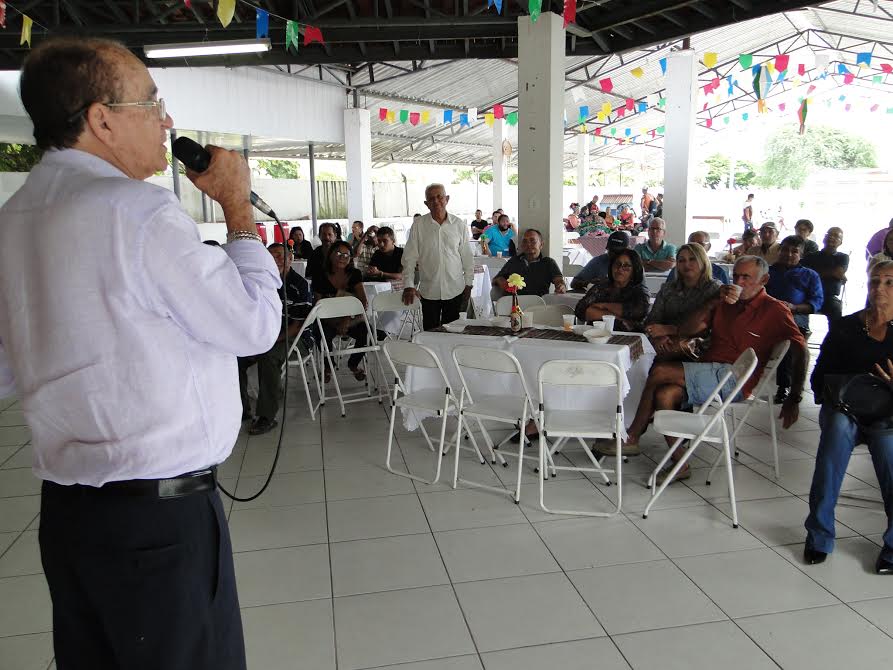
{"x": 745, "y": 316}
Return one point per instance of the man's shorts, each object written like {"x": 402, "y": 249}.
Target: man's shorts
{"x": 702, "y": 378}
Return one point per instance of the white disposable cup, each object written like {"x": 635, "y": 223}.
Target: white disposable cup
{"x": 527, "y": 320}
{"x": 568, "y": 321}
{"x": 502, "y": 254}
{"x": 734, "y": 293}
{"x": 608, "y": 320}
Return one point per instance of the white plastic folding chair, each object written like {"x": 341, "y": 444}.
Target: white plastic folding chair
{"x": 336, "y": 308}
{"x": 572, "y": 269}
{"x": 410, "y": 315}
{"x": 300, "y": 359}
{"x": 701, "y": 427}
{"x": 511, "y": 408}
{"x": 549, "y": 315}
{"x": 504, "y": 304}
{"x": 438, "y": 400}
{"x": 761, "y": 395}
{"x": 590, "y": 423}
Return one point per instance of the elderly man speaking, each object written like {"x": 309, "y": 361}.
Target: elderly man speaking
{"x": 120, "y": 330}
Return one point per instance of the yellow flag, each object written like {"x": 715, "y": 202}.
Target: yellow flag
{"x": 26, "y": 30}
{"x": 391, "y": 116}
{"x": 606, "y": 108}
{"x": 583, "y": 128}
{"x": 710, "y": 59}
{"x": 426, "y": 116}
{"x": 637, "y": 72}
{"x": 225, "y": 11}
{"x": 761, "y": 106}
{"x": 601, "y": 116}
{"x": 488, "y": 119}
{"x": 770, "y": 66}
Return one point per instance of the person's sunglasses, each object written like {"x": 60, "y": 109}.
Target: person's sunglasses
{"x": 158, "y": 104}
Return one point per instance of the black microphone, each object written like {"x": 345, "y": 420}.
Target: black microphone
{"x": 194, "y": 156}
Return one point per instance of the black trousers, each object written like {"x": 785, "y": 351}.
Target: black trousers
{"x": 269, "y": 372}
{"x": 832, "y": 308}
{"x": 140, "y": 583}
{"x": 359, "y": 334}
{"x": 783, "y": 372}
{"x": 438, "y": 312}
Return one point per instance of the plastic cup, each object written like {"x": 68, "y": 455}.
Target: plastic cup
{"x": 733, "y": 292}
{"x": 608, "y": 320}
{"x": 527, "y": 320}
{"x": 568, "y": 321}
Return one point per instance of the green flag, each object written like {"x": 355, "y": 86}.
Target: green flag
{"x": 534, "y": 7}
{"x": 292, "y": 37}
{"x": 512, "y": 118}
{"x": 404, "y": 115}
{"x": 745, "y": 61}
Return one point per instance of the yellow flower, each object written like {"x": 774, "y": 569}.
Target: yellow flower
{"x": 516, "y": 281}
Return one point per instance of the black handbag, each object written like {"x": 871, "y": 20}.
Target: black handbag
{"x": 865, "y": 398}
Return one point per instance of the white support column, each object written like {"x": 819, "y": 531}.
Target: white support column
{"x": 541, "y": 129}
{"x": 582, "y": 167}
{"x": 358, "y": 151}
{"x": 499, "y": 178}
{"x": 681, "y": 80}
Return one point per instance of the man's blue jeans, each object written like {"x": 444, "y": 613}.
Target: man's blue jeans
{"x": 838, "y": 438}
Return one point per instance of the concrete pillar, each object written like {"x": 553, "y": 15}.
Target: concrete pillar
{"x": 582, "y": 168}
{"x": 681, "y": 94}
{"x": 541, "y": 129}
{"x": 499, "y": 177}
{"x": 358, "y": 151}
{"x": 312, "y": 188}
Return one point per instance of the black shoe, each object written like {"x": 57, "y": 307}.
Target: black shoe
{"x": 813, "y": 556}
{"x": 262, "y": 425}
{"x": 883, "y": 565}
{"x": 247, "y": 416}
{"x": 780, "y": 395}
{"x": 517, "y": 437}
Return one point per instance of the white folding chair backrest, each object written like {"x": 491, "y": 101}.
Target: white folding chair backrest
{"x": 549, "y": 315}
{"x": 480, "y": 358}
{"x": 392, "y": 301}
{"x": 578, "y": 373}
{"x": 410, "y": 354}
{"x": 504, "y": 304}
{"x": 309, "y": 320}
{"x": 332, "y": 308}
{"x": 767, "y": 379}
{"x": 572, "y": 269}
{"x": 742, "y": 369}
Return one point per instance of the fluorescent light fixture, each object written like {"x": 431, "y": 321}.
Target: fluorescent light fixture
{"x": 206, "y": 48}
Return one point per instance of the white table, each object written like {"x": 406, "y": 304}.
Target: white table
{"x": 577, "y": 255}
{"x": 494, "y": 263}
{"x": 480, "y": 291}
{"x": 532, "y": 354}
{"x": 475, "y": 246}
{"x": 299, "y": 266}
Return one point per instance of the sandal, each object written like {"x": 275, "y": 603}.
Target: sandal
{"x": 684, "y": 473}
{"x": 358, "y": 374}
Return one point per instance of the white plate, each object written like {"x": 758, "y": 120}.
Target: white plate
{"x": 454, "y": 327}
{"x": 597, "y": 335}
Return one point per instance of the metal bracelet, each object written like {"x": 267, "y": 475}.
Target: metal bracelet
{"x": 243, "y": 235}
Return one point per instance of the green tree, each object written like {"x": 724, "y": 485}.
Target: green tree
{"x": 329, "y": 176}
{"x": 717, "y": 173}
{"x": 791, "y": 157}
{"x": 485, "y": 176}
{"x": 570, "y": 180}
{"x": 18, "y": 157}
{"x": 513, "y": 179}
{"x": 280, "y": 169}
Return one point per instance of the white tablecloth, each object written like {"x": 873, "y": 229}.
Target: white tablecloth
{"x": 299, "y": 266}
{"x": 495, "y": 263}
{"x": 532, "y": 354}
{"x": 476, "y": 249}
{"x": 480, "y": 292}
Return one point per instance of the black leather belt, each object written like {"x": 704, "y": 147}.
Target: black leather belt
{"x": 173, "y": 487}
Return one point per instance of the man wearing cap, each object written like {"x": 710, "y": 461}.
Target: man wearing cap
{"x": 597, "y": 268}
{"x": 769, "y": 247}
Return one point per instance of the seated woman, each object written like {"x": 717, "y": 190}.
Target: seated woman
{"x": 858, "y": 343}
{"x": 341, "y": 278}
{"x": 750, "y": 242}
{"x": 625, "y": 217}
{"x": 302, "y": 249}
{"x": 886, "y": 254}
{"x": 622, "y": 295}
{"x": 682, "y": 307}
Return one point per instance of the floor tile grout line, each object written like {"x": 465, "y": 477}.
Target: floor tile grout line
{"x": 328, "y": 544}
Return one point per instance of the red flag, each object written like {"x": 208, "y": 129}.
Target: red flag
{"x": 414, "y": 118}
{"x": 2, "y": 14}
{"x": 498, "y": 112}
{"x": 801, "y": 69}
{"x": 874, "y": 108}
{"x": 188, "y": 4}
{"x": 781, "y": 107}
{"x": 887, "y": 68}
{"x": 707, "y": 89}
{"x": 781, "y": 62}
{"x": 312, "y": 34}
{"x": 630, "y": 103}
{"x": 709, "y": 123}
{"x": 810, "y": 89}
{"x": 848, "y": 78}
{"x": 621, "y": 112}
{"x": 606, "y": 84}
{"x": 382, "y": 113}
{"x": 570, "y": 12}
{"x": 598, "y": 131}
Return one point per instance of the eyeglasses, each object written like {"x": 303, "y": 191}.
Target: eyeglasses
{"x": 623, "y": 266}
{"x": 158, "y": 104}
{"x": 342, "y": 254}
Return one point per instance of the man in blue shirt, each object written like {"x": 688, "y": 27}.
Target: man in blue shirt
{"x": 703, "y": 238}
{"x": 800, "y": 289}
{"x": 657, "y": 254}
{"x": 496, "y": 239}
{"x": 597, "y": 268}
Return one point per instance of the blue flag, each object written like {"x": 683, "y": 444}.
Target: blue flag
{"x": 663, "y": 65}
{"x": 463, "y": 120}
{"x": 643, "y": 107}
{"x": 448, "y": 116}
{"x": 584, "y": 111}
{"x": 864, "y": 57}
{"x": 262, "y": 24}
{"x": 842, "y": 69}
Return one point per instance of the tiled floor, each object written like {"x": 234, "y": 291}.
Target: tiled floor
{"x": 344, "y": 565}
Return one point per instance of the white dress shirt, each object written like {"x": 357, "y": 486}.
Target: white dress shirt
{"x": 443, "y": 255}
{"x": 119, "y": 329}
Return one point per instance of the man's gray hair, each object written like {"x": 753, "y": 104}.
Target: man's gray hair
{"x": 700, "y": 233}
{"x": 760, "y": 263}
{"x": 432, "y": 186}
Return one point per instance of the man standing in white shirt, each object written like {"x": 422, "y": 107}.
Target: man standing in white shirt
{"x": 438, "y": 244}
{"x": 126, "y": 370}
